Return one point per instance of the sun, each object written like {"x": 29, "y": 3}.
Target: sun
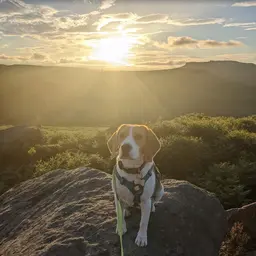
{"x": 114, "y": 50}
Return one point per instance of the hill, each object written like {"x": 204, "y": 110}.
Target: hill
{"x": 78, "y": 96}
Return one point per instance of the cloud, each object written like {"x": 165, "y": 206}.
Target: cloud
{"x": 196, "y": 22}
{"x": 189, "y": 42}
{"x": 30, "y": 19}
{"x": 107, "y": 4}
{"x": 126, "y": 19}
{"x": 65, "y": 60}
{"x": 118, "y": 17}
{"x": 9, "y": 6}
{"x": 241, "y": 24}
{"x": 65, "y": 36}
{"x": 75, "y": 60}
{"x": 213, "y": 43}
{"x": 38, "y": 56}
{"x": 245, "y": 25}
{"x": 245, "y": 4}
{"x": 13, "y": 58}
{"x": 152, "y": 18}
{"x": 39, "y": 20}
{"x": 180, "y": 41}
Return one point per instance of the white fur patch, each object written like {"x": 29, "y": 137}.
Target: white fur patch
{"x": 135, "y": 149}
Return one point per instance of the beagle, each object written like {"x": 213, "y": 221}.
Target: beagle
{"x": 136, "y": 180}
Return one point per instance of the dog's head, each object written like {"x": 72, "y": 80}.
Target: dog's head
{"x": 134, "y": 144}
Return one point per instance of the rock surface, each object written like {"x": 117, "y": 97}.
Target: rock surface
{"x": 65, "y": 213}
{"x": 16, "y": 141}
{"x": 246, "y": 215}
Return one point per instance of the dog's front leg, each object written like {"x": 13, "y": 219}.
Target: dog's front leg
{"x": 141, "y": 239}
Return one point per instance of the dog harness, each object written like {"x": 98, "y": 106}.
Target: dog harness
{"x": 137, "y": 189}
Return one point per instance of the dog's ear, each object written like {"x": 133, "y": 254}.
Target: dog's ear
{"x": 152, "y": 145}
{"x": 113, "y": 144}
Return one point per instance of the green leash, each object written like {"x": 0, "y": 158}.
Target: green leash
{"x": 119, "y": 220}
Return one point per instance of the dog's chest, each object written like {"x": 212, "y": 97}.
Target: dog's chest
{"x": 124, "y": 193}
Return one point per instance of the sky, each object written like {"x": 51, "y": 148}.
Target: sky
{"x": 127, "y": 34}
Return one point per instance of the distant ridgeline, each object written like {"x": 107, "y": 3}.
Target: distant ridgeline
{"x": 78, "y": 96}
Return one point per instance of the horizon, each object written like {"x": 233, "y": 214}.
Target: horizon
{"x": 128, "y": 69}
{"x": 121, "y": 35}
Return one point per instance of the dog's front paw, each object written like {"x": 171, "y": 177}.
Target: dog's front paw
{"x": 141, "y": 241}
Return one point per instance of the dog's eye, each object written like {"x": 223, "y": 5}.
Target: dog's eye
{"x": 138, "y": 137}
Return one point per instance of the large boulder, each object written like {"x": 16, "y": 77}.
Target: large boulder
{"x": 65, "y": 213}
{"x": 247, "y": 216}
{"x": 16, "y": 141}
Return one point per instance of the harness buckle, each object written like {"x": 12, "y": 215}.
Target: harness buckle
{"x": 138, "y": 189}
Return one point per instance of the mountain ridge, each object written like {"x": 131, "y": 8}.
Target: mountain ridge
{"x": 64, "y": 95}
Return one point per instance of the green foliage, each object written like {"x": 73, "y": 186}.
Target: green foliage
{"x": 215, "y": 153}
{"x": 181, "y": 156}
{"x": 69, "y": 160}
{"x": 32, "y": 151}
{"x": 224, "y": 181}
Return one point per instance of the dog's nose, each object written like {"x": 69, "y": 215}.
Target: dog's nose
{"x": 126, "y": 149}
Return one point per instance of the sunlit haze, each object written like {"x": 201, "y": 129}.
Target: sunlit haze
{"x": 126, "y": 34}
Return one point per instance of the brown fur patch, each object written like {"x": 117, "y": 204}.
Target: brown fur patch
{"x": 144, "y": 137}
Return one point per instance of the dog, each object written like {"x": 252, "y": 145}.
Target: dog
{"x": 136, "y": 180}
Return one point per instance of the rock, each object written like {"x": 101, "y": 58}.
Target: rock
{"x": 251, "y": 253}
{"x": 16, "y": 141}
{"x": 72, "y": 213}
{"x": 246, "y": 215}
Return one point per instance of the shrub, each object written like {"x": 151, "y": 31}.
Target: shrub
{"x": 97, "y": 161}
{"x": 70, "y": 160}
{"x": 235, "y": 242}
{"x": 167, "y": 128}
{"x": 65, "y": 160}
{"x": 216, "y": 153}
{"x": 247, "y": 123}
{"x": 206, "y": 129}
{"x": 243, "y": 140}
{"x": 181, "y": 156}
{"x": 224, "y": 181}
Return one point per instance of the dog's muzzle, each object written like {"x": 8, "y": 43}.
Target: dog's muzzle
{"x": 125, "y": 149}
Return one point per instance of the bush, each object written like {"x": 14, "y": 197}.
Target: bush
{"x": 243, "y": 140}
{"x": 69, "y": 160}
{"x": 167, "y": 128}
{"x": 224, "y": 181}
{"x": 181, "y": 156}
{"x": 204, "y": 128}
{"x": 216, "y": 153}
{"x": 235, "y": 242}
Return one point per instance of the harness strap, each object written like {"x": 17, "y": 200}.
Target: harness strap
{"x": 135, "y": 189}
{"x": 158, "y": 181}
